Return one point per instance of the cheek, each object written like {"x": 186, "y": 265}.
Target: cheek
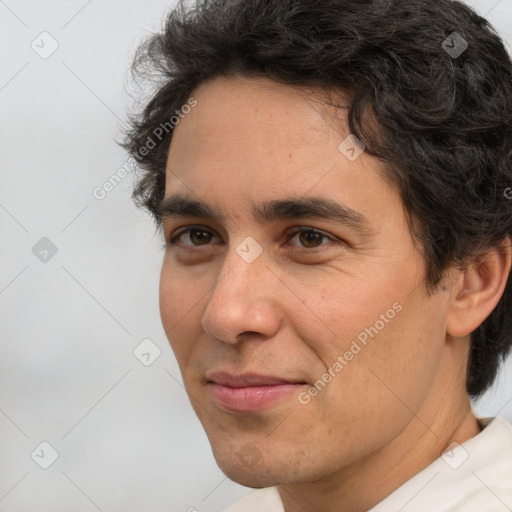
{"x": 388, "y": 348}
{"x": 181, "y": 291}
{"x": 170, "y": 308}
{"x": 347, "y": 309}
{"x": 385, "y": 325}
{"x": 180, "y": 310}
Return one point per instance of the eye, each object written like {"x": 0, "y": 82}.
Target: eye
{"x": 310, "y": 238}
{"x": 197, "y": 236}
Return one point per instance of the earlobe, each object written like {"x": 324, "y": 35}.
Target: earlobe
{"x": 478, "y": 289}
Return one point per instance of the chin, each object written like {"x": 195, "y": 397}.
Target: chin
{"x": 246, "y": 468}
{"x": 256, "y": 478}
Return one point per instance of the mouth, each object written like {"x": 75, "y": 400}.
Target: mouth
{"x": 250, "y": 392}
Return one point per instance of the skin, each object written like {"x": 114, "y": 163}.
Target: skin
{"x": 401, "y": 400}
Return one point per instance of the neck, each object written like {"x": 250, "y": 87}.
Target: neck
{"x": 362, "y": 485}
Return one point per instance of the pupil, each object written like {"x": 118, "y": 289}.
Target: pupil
{"x": 200, "y": 236}
{"x": 309, "y": 238}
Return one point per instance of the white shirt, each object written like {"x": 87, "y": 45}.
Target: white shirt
{"x": 473, "y": 477}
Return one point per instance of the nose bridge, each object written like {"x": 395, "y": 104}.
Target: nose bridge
{"x": 244, "y": 262}
{"x": 237, "y": 285}
{"x": 240, "y": 300}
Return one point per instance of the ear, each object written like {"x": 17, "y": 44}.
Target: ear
{"x": 478, "y": 289}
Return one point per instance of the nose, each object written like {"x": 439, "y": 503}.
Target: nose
{"x": 243, "y": 301}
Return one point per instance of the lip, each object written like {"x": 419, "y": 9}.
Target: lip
{"x": 250, "y": 392}
{"x": 248, "y": 380}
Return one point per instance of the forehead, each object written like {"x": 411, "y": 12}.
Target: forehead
{"x": 254, "y": 140}
{"x": 260, "y": 116}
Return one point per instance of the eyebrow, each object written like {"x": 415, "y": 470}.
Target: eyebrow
{"x": 280, "y": 209}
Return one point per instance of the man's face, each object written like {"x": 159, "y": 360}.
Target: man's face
{"x": 256, "y": 322}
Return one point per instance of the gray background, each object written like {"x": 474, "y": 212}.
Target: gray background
{"x": 125, "y": 433}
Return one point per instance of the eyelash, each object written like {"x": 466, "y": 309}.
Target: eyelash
{"x": 173, "y": 239}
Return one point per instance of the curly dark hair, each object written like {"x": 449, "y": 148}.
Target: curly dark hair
{"x": 441, "y": 122}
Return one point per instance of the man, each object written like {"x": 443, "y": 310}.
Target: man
{"x": 332, "y": 179}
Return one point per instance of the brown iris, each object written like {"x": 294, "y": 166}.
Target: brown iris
{"x": 199, "y": 237}
{"x": 309, "y": 238}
